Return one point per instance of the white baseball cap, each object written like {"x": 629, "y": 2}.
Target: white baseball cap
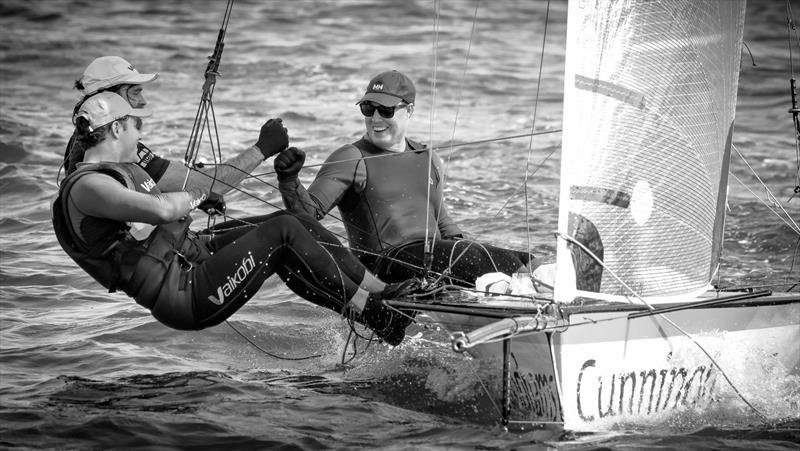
{"x": 108, "y": 71}
{"x": 107, "y": 107}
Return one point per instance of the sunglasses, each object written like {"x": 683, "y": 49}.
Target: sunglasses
{"x": 137, "y": 122}
{"x": 387, "y": 112}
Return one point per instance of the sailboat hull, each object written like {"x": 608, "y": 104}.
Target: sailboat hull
{"x": 614, "y": 363}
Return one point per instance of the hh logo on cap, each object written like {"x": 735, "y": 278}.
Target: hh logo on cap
{"x": 377, "y": 87}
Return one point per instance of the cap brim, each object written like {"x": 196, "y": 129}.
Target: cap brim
{"x": 137, "y": 79}
{"x": 140, "y": 112}
{"x": 91, "y": 87}
{"x": 380, "y": 98}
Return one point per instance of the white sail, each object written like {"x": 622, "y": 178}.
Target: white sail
{"x": 649, "y": 103}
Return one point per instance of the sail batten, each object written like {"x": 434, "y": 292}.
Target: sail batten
{"x": 649, "y": 103}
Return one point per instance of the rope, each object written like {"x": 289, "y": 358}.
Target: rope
{"x": 255, "y": 345}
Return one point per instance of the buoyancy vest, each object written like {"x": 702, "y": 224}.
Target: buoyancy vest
{"x": 109, "y": 252}
{"x": 390, "y": 210}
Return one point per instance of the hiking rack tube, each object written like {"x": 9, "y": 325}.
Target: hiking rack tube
{"x": 506, "y": 328}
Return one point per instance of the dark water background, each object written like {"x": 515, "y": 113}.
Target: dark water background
{"x": 80, "y": 368}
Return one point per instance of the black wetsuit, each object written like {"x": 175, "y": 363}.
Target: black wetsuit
{"x": 389, "y": 204}
{"x": 194, "y": 281}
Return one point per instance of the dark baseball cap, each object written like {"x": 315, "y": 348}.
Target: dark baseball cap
{"x": 389, "y": 88}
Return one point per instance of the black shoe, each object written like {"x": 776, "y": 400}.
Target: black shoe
{"x": 387, "y": 323}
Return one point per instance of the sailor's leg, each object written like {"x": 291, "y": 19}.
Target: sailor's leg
{"x": 235, "y": 272}
{"x": 281, "y": 244}
{"x": 459, "y": 261}
{"x": 348, "y": 262}
{"x": 228, "y": 231}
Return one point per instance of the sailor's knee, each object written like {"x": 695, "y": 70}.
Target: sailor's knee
{"x": 286, "y": 226}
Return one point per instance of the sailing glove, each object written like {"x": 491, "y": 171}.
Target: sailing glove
{"x": 214, "y": 204}
{"x": 288, "y": 164}
{"x": 274, "y": 137}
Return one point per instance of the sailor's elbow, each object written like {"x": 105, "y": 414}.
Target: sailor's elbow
{"x": 163, "y": 216}
{"x": 199, "y": 180}
{"x": 171, "y": 210}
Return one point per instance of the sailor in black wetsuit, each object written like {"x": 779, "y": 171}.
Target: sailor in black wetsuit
{"x": 388, "y": 201}
{"x": 114, "y": 221}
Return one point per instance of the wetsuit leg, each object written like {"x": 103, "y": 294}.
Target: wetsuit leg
{"x": 228, "y": 231}
{"x": 235, "y": 272}
{"x": 462, "y": 261}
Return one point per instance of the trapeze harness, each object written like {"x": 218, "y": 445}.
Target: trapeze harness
{"x": 148, "y": 270}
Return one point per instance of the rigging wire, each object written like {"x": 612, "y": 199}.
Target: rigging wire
{"x": 772, "y": 202}
{"x": 533, "y": 127}
{"x": 531, "y": 134}
{"x": 444, "y": 147}
{"x": 791, "y": 26}
{"x": 451, "y": 144}
{"x": 206, "y": 105}
{"x": 205, "y": 118}
{"x": 427, "y": 259}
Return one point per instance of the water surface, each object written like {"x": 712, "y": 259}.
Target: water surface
{"x": 81, "y": 368}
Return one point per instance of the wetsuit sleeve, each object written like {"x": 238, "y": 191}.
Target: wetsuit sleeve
{"x": 342, "y": 171}
{"x": 102, "y": 196}
{"x": 224, "y": 177}
{"x": 155, "y": 166}
{"x": 448, "y": 227}
{"x": 297, "y": 200}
